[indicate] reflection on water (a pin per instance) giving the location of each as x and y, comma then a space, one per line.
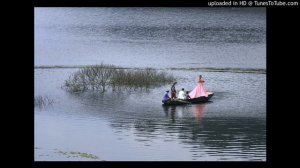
224, 138
198, 111
179, 111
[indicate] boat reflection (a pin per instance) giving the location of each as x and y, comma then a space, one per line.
170, 110
198, 111
174, 112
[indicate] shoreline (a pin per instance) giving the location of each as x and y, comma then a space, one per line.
230, 70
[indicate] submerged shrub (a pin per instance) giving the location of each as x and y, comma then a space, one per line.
101, 77
90, 78
42, 101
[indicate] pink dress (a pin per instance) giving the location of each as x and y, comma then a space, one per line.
198, 91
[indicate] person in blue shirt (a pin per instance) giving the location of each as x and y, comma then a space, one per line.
166, 97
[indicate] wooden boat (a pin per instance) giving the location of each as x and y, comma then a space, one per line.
201, 99
176, 102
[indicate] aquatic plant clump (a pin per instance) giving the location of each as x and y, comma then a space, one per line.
41, 101
90, 78
100, 77
78, 154
145, 78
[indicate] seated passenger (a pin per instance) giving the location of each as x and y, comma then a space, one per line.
181, 94
166, 97
187, 95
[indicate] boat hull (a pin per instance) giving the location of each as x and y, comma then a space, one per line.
176, 102
201, 99
197, 100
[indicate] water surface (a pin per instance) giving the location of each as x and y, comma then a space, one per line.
133, 125
155, 37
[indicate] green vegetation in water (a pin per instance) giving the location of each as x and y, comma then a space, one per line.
78, 154
41, 101
101, 77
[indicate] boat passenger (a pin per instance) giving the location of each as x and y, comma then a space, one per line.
166, 97
187, 96
199, 90
173, 91
181, 94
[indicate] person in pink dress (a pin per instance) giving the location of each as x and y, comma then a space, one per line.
199, 90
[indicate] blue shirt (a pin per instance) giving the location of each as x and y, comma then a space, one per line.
166, 97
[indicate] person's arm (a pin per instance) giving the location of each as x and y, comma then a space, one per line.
174, 84
173, 88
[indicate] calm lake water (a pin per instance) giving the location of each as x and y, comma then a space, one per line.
133, 125
151, 37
